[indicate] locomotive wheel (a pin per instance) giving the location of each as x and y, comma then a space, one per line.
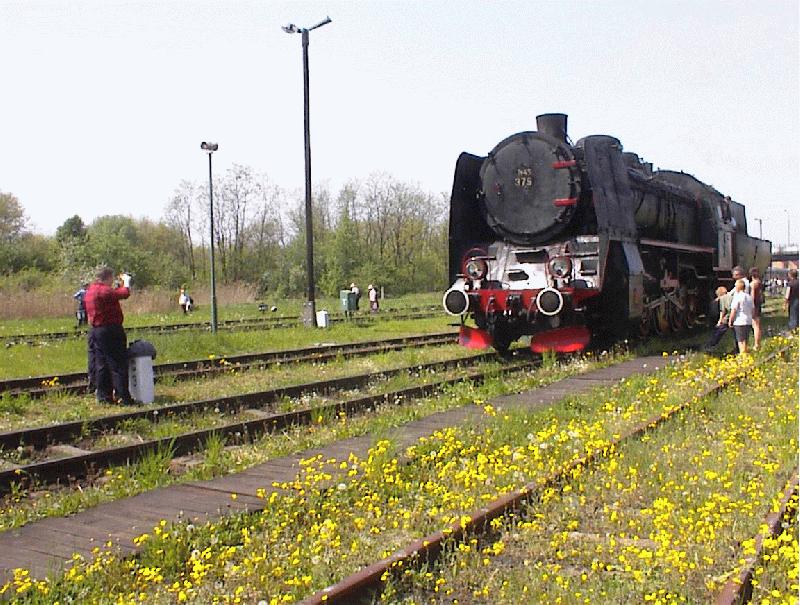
677, 318
691, 311
646, 321
661, 319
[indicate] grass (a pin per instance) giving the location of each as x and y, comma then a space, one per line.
63, 407
775, 577
289, 308
70, 355
339, 514
659, 521
214, 461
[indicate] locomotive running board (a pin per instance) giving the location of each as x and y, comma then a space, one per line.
561, 340
474, 338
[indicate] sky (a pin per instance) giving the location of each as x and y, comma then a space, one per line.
104, 103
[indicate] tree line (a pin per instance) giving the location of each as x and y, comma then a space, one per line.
377, 230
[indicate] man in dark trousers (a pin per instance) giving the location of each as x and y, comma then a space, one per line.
80, 312
720, 308
107, 341
790, 299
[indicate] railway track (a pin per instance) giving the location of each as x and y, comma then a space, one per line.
83, 463
258, 323
363, 585
76, 382
739, 588
228, 489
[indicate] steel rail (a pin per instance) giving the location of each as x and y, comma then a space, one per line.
82, 465
43, 436
739, 589
76, 382
231, 324
425, 550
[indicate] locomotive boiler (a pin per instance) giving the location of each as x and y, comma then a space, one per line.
562, 243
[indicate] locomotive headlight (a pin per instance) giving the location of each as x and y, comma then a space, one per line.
560, 266
476, 268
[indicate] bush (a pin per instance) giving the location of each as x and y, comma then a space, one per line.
25, 280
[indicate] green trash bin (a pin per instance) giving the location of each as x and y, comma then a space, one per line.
348, 300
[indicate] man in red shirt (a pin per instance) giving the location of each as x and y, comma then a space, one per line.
108, 344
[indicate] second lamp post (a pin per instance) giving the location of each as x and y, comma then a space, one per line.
210, 148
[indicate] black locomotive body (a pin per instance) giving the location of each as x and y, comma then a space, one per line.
563, 242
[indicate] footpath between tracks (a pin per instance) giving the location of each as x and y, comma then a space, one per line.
46, 546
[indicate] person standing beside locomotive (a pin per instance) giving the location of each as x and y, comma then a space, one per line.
741, 316
723, 302
738, 273
107, 339
790, 299
757, 292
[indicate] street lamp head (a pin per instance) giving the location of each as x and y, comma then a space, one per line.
209, 147
293, 29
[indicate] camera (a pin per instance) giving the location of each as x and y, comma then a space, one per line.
120, 279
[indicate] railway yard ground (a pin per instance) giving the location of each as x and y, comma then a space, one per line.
402, 470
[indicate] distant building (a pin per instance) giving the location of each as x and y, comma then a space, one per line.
783, 259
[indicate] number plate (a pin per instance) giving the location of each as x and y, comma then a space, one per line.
524, 178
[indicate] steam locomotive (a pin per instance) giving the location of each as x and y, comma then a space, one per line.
562, 243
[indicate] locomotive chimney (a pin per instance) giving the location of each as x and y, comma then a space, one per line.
553, 124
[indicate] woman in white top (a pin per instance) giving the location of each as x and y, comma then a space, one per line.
741, 317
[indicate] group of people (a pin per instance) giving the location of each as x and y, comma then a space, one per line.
372, 296
740, 309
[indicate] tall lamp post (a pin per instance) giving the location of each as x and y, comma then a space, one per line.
309, 310
210, 148
760, 233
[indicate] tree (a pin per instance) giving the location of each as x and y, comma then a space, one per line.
342, 251
114, 241
13, 222
178, 215
72, 229
238, 194
13, 225
162, 257
263, 238
72, 254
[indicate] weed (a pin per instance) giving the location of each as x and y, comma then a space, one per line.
215, 460
17, 405
549, 360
